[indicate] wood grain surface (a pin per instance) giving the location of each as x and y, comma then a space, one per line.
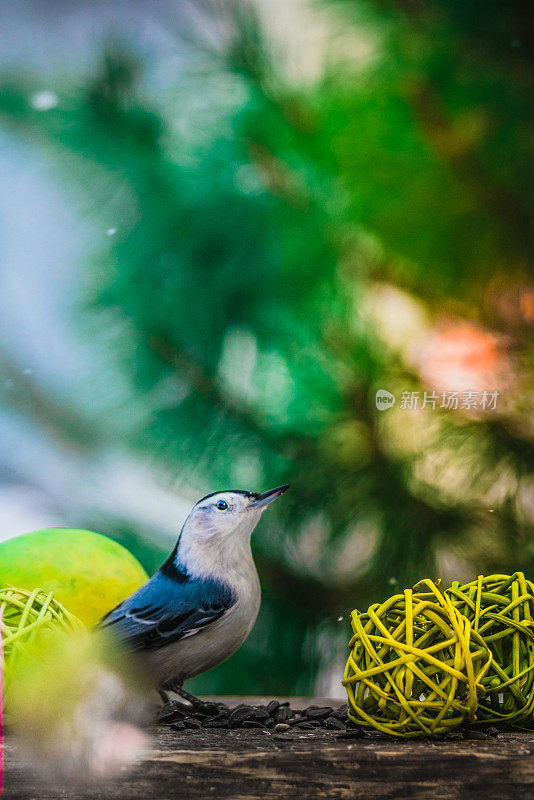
246, 764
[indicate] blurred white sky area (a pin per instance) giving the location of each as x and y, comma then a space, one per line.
50, 371
46, 364
54, 36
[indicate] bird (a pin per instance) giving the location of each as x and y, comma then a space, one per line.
202, 603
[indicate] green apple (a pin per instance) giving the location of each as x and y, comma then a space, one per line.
88, 573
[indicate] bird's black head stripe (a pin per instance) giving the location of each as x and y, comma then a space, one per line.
250, 495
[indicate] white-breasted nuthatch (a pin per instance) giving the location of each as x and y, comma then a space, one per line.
201, 605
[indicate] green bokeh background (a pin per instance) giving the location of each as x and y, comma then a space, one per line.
300, 223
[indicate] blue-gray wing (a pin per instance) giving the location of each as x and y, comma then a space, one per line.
161, 612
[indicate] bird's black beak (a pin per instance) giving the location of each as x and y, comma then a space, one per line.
265, 498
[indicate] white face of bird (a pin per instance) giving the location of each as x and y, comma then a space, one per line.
220, 525
230, 513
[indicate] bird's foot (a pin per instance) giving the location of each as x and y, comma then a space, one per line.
205, 708
171, 711
195, 704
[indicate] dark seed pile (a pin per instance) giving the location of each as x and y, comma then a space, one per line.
281, 720
277, 717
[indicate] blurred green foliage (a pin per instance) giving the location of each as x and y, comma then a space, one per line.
269, 233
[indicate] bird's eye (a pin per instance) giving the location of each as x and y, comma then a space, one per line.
222, 505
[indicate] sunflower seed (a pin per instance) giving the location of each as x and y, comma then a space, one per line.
282, 714
216, 723
319, 713
273, 706
473, 734
358, 733
334, 724
239, 715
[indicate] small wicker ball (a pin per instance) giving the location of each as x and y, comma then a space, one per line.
415, 666
24, 616
501, 609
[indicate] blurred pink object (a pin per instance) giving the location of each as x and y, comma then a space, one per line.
121, 746
465, 357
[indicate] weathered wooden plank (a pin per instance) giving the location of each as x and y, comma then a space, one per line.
247, 764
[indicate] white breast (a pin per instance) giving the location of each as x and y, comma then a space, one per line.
211, 645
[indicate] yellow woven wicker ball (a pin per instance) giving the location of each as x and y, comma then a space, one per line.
25, 617
415, 666
501, 609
